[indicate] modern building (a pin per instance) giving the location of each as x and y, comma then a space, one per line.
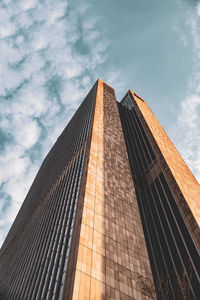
112, 209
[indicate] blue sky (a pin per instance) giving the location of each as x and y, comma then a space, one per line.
52, 52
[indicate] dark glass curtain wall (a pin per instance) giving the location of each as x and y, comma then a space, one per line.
173, 255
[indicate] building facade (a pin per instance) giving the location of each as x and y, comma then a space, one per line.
169, 200
112, 209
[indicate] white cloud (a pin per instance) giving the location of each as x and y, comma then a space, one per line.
27, 4
27, 132
73, 70
187, 134
31, 101
198, 8
85, 80
12, 163
6, 30
17, 185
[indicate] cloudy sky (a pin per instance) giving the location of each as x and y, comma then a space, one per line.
52, 52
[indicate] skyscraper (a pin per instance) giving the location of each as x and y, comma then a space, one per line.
112, 209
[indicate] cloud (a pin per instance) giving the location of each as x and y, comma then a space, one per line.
16, 176
27, 4
44, 76
187, 133
198, 8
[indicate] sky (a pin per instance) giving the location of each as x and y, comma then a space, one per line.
52, 52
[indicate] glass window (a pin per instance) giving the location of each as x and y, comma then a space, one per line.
128, 102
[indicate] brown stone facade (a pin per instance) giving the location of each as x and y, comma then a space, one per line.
112, 251
182, 182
